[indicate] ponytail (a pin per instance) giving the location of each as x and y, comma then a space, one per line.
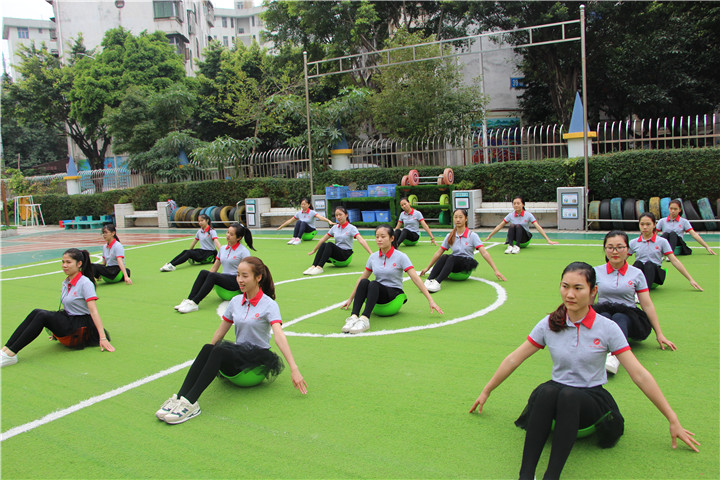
558, 319
241, 231
451, 238
109, 227
82, 256
260, 269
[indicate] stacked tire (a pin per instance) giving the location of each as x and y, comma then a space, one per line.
186, 217
605, 214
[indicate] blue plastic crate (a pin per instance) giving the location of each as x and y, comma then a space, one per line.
334, 193
382, 216
368, 215
382, 190
357, 193
354, 215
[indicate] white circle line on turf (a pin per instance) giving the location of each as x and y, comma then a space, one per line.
89, 402
500, 292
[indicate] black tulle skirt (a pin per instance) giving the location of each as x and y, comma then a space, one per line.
608, 429
247, 356
639, 327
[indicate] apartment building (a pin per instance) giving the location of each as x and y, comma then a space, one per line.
24, 32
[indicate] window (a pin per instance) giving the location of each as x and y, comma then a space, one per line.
224, 22
166, 9
252, 21
232, 22
23, 32
225, 41
241, 30
40, 30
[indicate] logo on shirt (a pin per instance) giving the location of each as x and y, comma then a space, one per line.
630, 283
394, 264
257, 315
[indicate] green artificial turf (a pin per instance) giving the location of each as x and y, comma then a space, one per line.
379, 406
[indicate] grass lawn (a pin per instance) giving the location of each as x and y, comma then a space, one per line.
389, 404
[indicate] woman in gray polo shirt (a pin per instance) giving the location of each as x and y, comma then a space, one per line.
578, 340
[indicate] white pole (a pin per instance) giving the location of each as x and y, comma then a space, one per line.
307, 110
583, 60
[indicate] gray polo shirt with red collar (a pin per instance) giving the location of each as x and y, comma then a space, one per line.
680, 225
112, 251
206, 238
411, 220
523, 219
344, 234
388, 269
464, 245
230, 258
651, 250
253, 318
619, 286
75, 294
579, 351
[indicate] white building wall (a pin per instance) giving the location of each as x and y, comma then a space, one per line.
38, 32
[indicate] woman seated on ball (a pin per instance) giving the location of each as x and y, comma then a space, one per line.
649, 249
519, 230
674, 228
575, 399
388, 265
411, 220
619, 284
343, 233
79, 311
256, 317
305, 221
209, 245
113, 261
463, 244
228, 257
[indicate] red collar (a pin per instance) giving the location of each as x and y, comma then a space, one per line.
677, 219
388, 254
588, 320
234, 247
651, 239
412, 210
253, 301
76, 279
206, 229
306, 211
465, 233
622, 269
522, 213
112, 243
347, 222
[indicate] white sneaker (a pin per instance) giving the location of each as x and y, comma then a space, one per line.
612, 363
291, 241
515, 249
167, 407
309, 270
298, 241
361, 325
190, 306
183, 411
316, 270
6, 360
349, 322
181, 304
168, 267
433, 286
509, 249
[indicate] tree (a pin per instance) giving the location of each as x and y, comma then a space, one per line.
163, 158
74, 96
426, 97
29, 143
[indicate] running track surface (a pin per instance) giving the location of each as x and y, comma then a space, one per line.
49, 245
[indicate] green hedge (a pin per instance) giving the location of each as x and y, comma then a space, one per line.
684, 173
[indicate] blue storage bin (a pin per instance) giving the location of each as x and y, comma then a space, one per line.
357, 193
382, 216
335, 193
354, 215
368, 215
382, 190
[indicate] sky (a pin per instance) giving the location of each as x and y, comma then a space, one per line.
41, 10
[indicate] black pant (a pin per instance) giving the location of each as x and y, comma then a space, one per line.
372, 293
328, 250
205, 282
204, 369
60, 323
300, 228
108, 272
402, 234
517, 235
676, 240
652, 271
448, 264
571, 408
195, 254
